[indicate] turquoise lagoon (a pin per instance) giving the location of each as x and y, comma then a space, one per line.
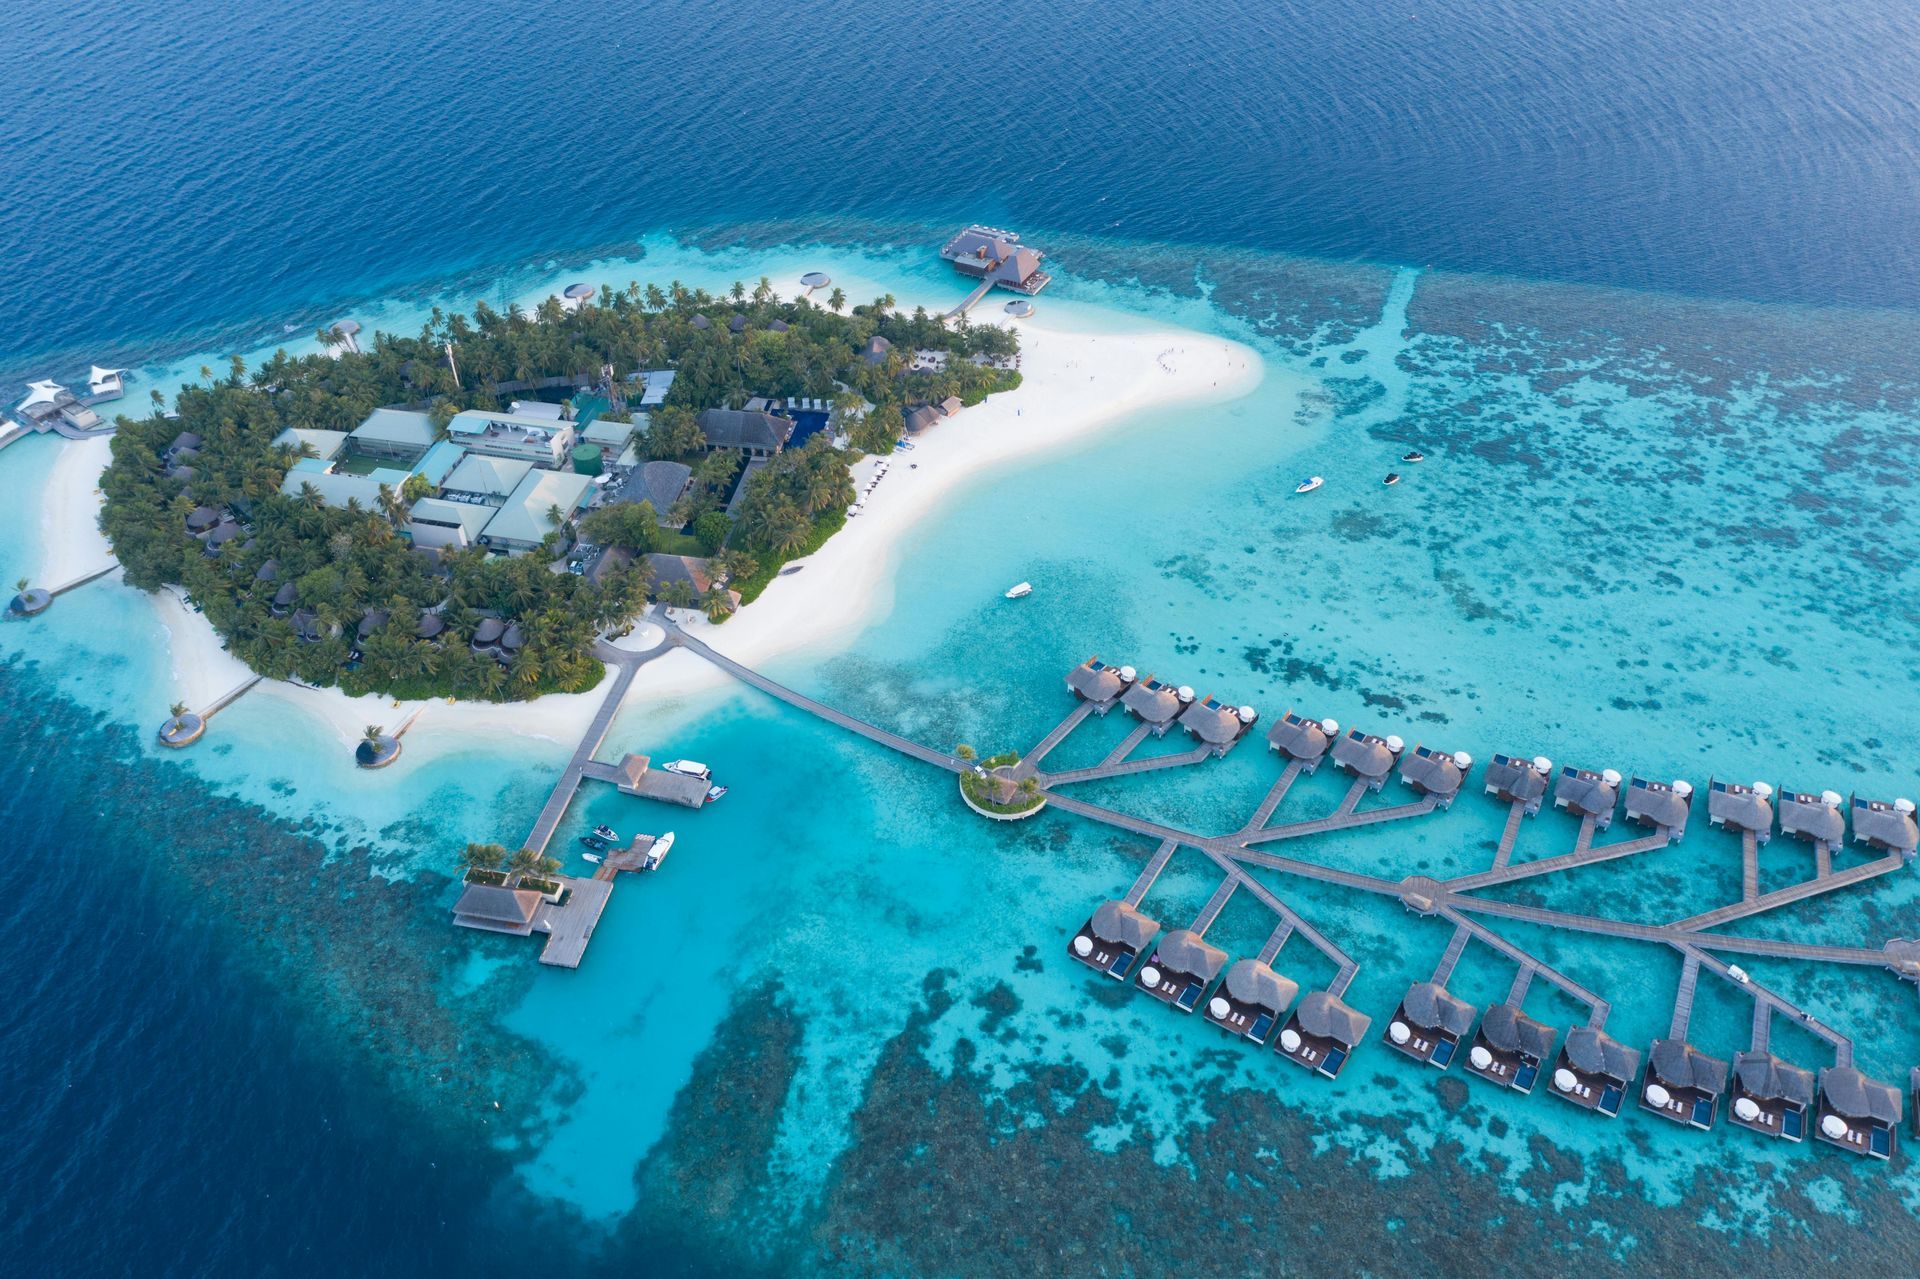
1669, 537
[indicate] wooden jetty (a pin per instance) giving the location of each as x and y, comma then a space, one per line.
190, 726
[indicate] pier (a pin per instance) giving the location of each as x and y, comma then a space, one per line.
626, 665
188, 727
1511, 1054
34, 600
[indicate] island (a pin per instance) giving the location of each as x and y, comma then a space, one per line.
463, 511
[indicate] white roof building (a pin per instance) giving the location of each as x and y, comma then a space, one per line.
525, 519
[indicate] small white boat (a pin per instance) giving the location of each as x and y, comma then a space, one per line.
592, 857
658, 852
1021, 591
1309, 484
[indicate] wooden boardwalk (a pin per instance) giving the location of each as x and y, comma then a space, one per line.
569, 927
569, 782
1237, 856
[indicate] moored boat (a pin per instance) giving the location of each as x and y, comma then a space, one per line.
1393, 478
1309, 484
1020, 591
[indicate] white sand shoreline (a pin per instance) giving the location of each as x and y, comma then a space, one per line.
1076, 379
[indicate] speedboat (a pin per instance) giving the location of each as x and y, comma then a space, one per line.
594, 842
1413, 455
1021, 591
1309, 484
592, 857
607, 833
658, 852
715, 792
1393, 478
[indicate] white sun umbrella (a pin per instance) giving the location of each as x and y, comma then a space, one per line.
1218, 1006
1480, 1057
1083, 945
1290, 1039
1150, 975
1834, 1126
1399, 1033
1564, 1079
1747, 1108
1658, 1095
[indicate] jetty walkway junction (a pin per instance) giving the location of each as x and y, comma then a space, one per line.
1252, 998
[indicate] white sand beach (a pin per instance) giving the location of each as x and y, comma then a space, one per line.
1076, 379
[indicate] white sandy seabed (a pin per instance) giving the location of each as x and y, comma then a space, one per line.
1078, 375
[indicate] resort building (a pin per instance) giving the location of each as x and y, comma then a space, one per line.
49, 405
1509, 1048
1660, 806
1588, 794
1322, 1033
1181, 968
1594, 1070
440, 462
1887, 827
525, 519
544, 442
1816, 819
436, 522
1113, 939
539, 409
635, 775
394, 435
1439, 774
1682, 1083
1216, 724
997, 257
1096, 682
1429, 1024
497, 909
919, 417
1770, 1096
757, 434
612, 436
1742, 808
694, 571
1155, 704
1519, 781
1367, 757
336, 490
654, 385
1250, 1000
663, 484
1302, 740
875, 350
325, 445
485, 480
1856, 1113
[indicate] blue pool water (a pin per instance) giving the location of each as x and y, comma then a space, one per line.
1664, 527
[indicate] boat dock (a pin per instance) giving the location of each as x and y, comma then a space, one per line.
1593, 1061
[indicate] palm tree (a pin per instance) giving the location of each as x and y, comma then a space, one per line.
837, 298
524, 862
717, 604
177, 710
373, 734
966, 752
159, 400
484, 856
21, 585
206, 374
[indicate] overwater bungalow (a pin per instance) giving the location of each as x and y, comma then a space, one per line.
1216, 724
1857, 1113
990, 254
1250, 1000
1322, 1033
1095, 681
1367, 757
1113, 939
106, 384
1181, 968
1748, 809
1429, 1024
1439, 774
1585, 793
1816, 819
1509, 1048
497, 909
1682, 1083
1594, 1070
1770, 1096
1154, 703
1887, 827
1302, 739
1519, 781
1660, 806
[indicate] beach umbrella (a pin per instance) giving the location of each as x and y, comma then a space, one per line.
1083, 945
1564, 1079
1480, 1057
1150, 975
1657, 1095
1219, 1007
1747, 1108
1399, 1033
1834, 1126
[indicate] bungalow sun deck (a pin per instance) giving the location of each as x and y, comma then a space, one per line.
1250, 1000
1510, 1048
1594, 1070
1429, 1024
1112, 939
1181, 968
1322, 1033
1769, 1096
1682, 1083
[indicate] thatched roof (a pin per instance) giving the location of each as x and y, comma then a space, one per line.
1122, 925
1680, 1065
1766, 1077
1510, 1030
1326, 1016
1597, 1053
1185, 951
1251, 982
1857, 1096
1429, 1006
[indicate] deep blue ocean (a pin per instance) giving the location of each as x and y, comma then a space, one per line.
177, 174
